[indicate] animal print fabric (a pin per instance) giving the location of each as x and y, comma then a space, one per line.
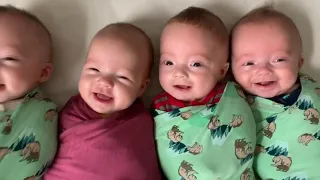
214, 141
28, 138
288, 146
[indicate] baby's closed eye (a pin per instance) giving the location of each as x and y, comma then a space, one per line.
123, 78
9, 58
94, 69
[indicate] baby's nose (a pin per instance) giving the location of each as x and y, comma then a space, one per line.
106, 82
180, 73
263, 71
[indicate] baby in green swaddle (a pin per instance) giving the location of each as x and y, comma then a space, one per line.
204, 127
28, 120
266, 59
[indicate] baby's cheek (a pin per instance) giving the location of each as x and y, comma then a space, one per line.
288, 75
86, 84
164, 81
242, 78
126, 95
163, 76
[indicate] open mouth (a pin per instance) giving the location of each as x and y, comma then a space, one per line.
2, 86
182, 87
266, 83
102, 98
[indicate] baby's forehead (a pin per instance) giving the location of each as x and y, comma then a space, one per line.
16, 22
281, 27
267, 16
131, 37
125, 49
29, 30
214, 33
129, 33
127, 44
278, 24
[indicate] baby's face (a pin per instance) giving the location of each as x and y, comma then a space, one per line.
113, 75
191, 62
265, 60
21, 58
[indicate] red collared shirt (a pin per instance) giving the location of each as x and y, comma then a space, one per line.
165, 102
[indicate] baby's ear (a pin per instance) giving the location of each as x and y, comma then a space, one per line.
143, 87
46, 72
224, 69
300, 64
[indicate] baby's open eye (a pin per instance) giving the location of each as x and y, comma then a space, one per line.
168, 63
196, 64
248, 64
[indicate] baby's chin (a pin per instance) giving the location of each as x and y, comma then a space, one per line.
7, 96
101, 110
270, 94
188, 99
188, 95
265, 95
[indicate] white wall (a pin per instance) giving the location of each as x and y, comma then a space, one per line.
74, 22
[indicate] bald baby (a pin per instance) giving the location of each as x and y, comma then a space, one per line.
26, 45
118, 66
266, 60
266, 53
108, 113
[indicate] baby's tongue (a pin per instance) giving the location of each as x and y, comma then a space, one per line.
103, 97
182, 87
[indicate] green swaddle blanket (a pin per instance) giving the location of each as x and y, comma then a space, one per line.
287, 136
28, 138
214, 141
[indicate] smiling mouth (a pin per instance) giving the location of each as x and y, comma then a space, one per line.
102, 98
266, 83
182, 87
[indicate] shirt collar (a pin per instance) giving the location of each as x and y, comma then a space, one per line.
207, 100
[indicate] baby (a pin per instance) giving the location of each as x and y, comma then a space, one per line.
28, 121
204, 128
266, 59
106, 131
